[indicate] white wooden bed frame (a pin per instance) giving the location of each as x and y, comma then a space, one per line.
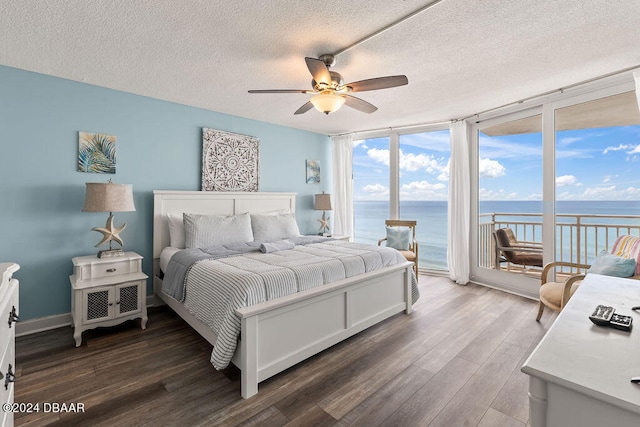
278, 334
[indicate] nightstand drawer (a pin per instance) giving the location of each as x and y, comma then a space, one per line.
90, 268
113, 268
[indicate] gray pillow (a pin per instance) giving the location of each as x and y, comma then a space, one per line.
611, 265
202, 231
274, 227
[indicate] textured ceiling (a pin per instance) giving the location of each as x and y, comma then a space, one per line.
460, 56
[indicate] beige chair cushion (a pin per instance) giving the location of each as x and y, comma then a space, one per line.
409, 255
551, 293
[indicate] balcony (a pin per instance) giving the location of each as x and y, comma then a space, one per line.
579, 238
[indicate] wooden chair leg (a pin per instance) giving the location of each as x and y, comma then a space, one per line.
540, 310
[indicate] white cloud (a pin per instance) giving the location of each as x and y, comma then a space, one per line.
378, 155
411, 162
623, 147
423, 186
485, 194
491, 168
564, 180
375, 188
569, 140
360, 142
599, 193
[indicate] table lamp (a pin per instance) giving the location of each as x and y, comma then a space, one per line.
323, 203
109, 197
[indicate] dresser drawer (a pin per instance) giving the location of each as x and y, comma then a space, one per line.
8, 303
7, 363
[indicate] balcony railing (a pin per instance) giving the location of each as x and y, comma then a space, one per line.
579, 237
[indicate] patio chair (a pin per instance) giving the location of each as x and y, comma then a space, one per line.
401, 235
555, 295
515, 251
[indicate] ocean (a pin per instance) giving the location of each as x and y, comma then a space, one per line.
431, 231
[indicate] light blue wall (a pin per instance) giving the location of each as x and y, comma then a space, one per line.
159, 146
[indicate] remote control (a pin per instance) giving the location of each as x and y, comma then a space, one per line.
602, 315
619, 321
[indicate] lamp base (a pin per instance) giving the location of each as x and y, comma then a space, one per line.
111, 253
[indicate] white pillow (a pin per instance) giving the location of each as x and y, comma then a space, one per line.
274, 227
176, 230
202, 231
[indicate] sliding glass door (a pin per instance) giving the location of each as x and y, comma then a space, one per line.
562, 176
508, 212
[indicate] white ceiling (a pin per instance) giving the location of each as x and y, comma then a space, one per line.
461, 56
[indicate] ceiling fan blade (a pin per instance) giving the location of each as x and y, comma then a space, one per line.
359, 104
318, 70
280, 91
306, 107
378, 83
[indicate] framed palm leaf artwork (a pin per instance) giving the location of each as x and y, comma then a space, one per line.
96, 152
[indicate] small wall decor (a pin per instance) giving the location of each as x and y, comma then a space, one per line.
313, 172
229, 161
96, 152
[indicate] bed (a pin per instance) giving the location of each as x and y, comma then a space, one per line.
278, 333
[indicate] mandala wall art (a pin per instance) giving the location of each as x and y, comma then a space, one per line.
96, 152
229, 161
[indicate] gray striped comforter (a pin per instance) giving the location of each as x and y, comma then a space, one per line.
215, 288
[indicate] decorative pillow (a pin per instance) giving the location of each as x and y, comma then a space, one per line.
274, 227
176, 230
202, 231
399, 238
611, 265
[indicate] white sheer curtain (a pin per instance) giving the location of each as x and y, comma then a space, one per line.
459, 204
342, 152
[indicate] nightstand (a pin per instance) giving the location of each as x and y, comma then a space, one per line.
107, 291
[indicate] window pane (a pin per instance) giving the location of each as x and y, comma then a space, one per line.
424, 190
370, 189
510, 192
597, 175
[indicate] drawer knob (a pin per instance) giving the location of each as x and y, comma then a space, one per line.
13, 316
111, 270
9, 378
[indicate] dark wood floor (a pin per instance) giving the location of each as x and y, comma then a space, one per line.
455, 361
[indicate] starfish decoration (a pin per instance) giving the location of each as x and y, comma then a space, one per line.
324, 223
110, 232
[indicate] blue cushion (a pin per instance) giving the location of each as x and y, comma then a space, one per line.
611, 265
399, 238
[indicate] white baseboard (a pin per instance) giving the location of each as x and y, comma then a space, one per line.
32, 326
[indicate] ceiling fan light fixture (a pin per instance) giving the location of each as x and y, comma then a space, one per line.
327, 102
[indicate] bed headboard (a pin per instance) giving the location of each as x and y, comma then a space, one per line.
213, 203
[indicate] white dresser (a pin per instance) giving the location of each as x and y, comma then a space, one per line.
8, 317
579, 372
107, 291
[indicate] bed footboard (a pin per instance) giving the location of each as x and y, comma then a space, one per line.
280, 333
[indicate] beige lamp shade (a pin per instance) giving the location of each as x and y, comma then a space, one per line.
322, 202
108, 197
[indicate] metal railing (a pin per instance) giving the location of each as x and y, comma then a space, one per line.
579, 237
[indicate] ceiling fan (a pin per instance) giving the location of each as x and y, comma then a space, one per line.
330, 92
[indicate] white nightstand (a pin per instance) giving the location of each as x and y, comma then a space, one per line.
106, 292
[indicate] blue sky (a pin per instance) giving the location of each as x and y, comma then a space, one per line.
591, 164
